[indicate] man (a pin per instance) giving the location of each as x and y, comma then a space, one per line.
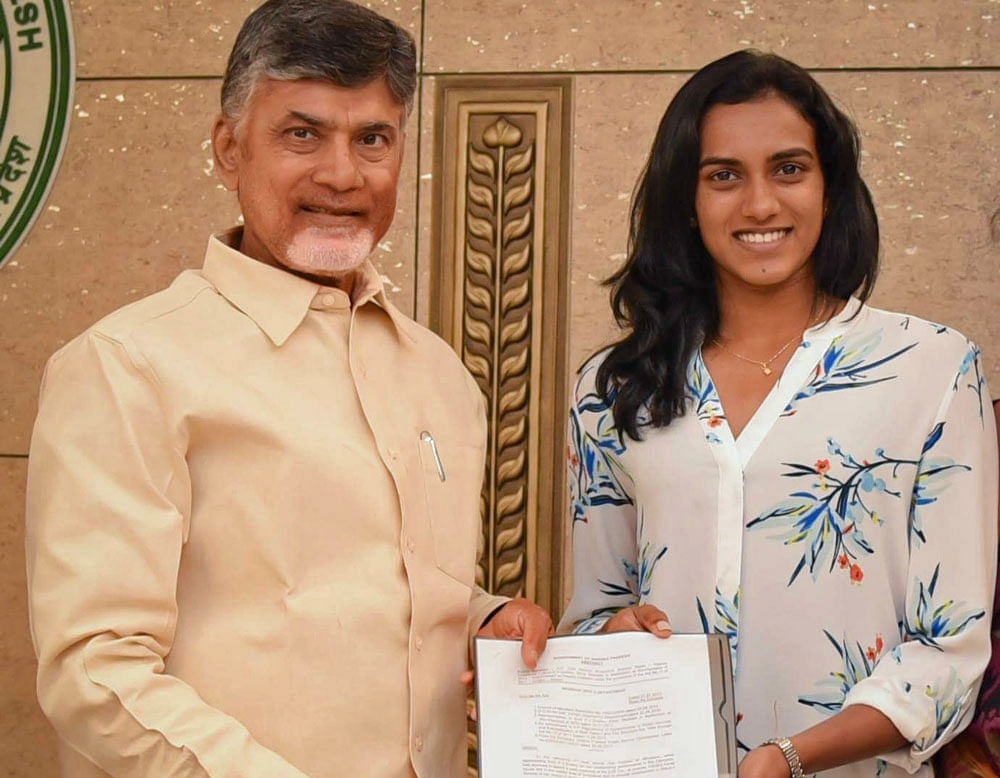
253, 497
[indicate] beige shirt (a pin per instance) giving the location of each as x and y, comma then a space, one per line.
252, 524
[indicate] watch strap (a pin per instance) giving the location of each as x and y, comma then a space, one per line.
791, 755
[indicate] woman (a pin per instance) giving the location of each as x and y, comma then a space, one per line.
764, 455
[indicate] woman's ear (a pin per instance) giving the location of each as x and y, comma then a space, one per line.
225, 149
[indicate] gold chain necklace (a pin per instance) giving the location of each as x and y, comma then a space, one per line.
764, 365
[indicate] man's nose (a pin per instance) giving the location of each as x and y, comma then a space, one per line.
338, 168
760, 201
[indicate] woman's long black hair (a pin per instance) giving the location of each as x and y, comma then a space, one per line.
665, 294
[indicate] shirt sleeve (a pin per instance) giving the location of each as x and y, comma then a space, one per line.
927, 684
481, 603
602, 514
108, 504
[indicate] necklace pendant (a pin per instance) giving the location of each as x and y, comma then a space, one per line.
767, 370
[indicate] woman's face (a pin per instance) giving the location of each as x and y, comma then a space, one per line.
760, 194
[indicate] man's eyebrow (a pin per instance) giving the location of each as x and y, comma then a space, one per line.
315, 121
312, 121
378, 127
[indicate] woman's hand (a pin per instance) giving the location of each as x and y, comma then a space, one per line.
640, 618
857, 732
765, 762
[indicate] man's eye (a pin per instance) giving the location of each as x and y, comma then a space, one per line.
302, 133
373, 139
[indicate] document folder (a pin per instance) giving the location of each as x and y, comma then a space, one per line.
607, 706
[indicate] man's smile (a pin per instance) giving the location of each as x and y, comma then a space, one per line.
326, 211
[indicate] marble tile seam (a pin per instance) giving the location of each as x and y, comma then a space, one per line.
159, 77
423, 36
424, 73
690, 71
419, 152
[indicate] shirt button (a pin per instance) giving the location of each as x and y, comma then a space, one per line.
410, 545
393, 453
418, 643
419, 744
328, 299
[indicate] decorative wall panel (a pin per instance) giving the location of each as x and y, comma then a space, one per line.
499, 296
499, 281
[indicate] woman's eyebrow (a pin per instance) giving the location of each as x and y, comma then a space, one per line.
776, 157
731, 161
790, 154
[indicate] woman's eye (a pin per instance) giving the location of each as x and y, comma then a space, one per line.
723, 176
790, 169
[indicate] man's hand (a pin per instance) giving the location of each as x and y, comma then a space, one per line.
523, 619
640, 618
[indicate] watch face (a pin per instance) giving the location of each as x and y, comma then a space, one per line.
36, 93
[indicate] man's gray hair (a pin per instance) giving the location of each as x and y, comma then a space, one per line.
330, 40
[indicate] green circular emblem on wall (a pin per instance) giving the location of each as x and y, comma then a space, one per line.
36, 86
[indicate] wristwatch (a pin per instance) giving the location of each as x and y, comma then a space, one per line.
791, 755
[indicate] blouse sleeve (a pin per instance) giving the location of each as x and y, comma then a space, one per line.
602, 513
927, 684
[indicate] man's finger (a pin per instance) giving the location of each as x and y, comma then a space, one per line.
467, 677
537, 626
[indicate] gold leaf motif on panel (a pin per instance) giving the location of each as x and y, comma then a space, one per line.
478, 261
517, 261
519, 163
516, 228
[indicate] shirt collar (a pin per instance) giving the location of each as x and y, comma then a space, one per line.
275, 299
852, 312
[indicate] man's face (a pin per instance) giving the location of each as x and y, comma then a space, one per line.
315, 166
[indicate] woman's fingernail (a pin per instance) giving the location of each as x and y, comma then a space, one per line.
663, 626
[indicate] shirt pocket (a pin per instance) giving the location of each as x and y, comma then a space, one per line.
452, 476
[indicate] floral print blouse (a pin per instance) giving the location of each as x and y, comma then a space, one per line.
845, 541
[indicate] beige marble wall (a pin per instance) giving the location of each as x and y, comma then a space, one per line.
136, 198
582, 35
931, 158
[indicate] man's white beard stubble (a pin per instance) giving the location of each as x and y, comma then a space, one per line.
330, 256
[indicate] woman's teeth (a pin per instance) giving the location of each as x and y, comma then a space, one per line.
762, 237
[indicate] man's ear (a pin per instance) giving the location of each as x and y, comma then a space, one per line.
226, 152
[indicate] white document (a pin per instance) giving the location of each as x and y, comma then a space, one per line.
601, 706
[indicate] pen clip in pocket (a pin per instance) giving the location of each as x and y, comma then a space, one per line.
428, 439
